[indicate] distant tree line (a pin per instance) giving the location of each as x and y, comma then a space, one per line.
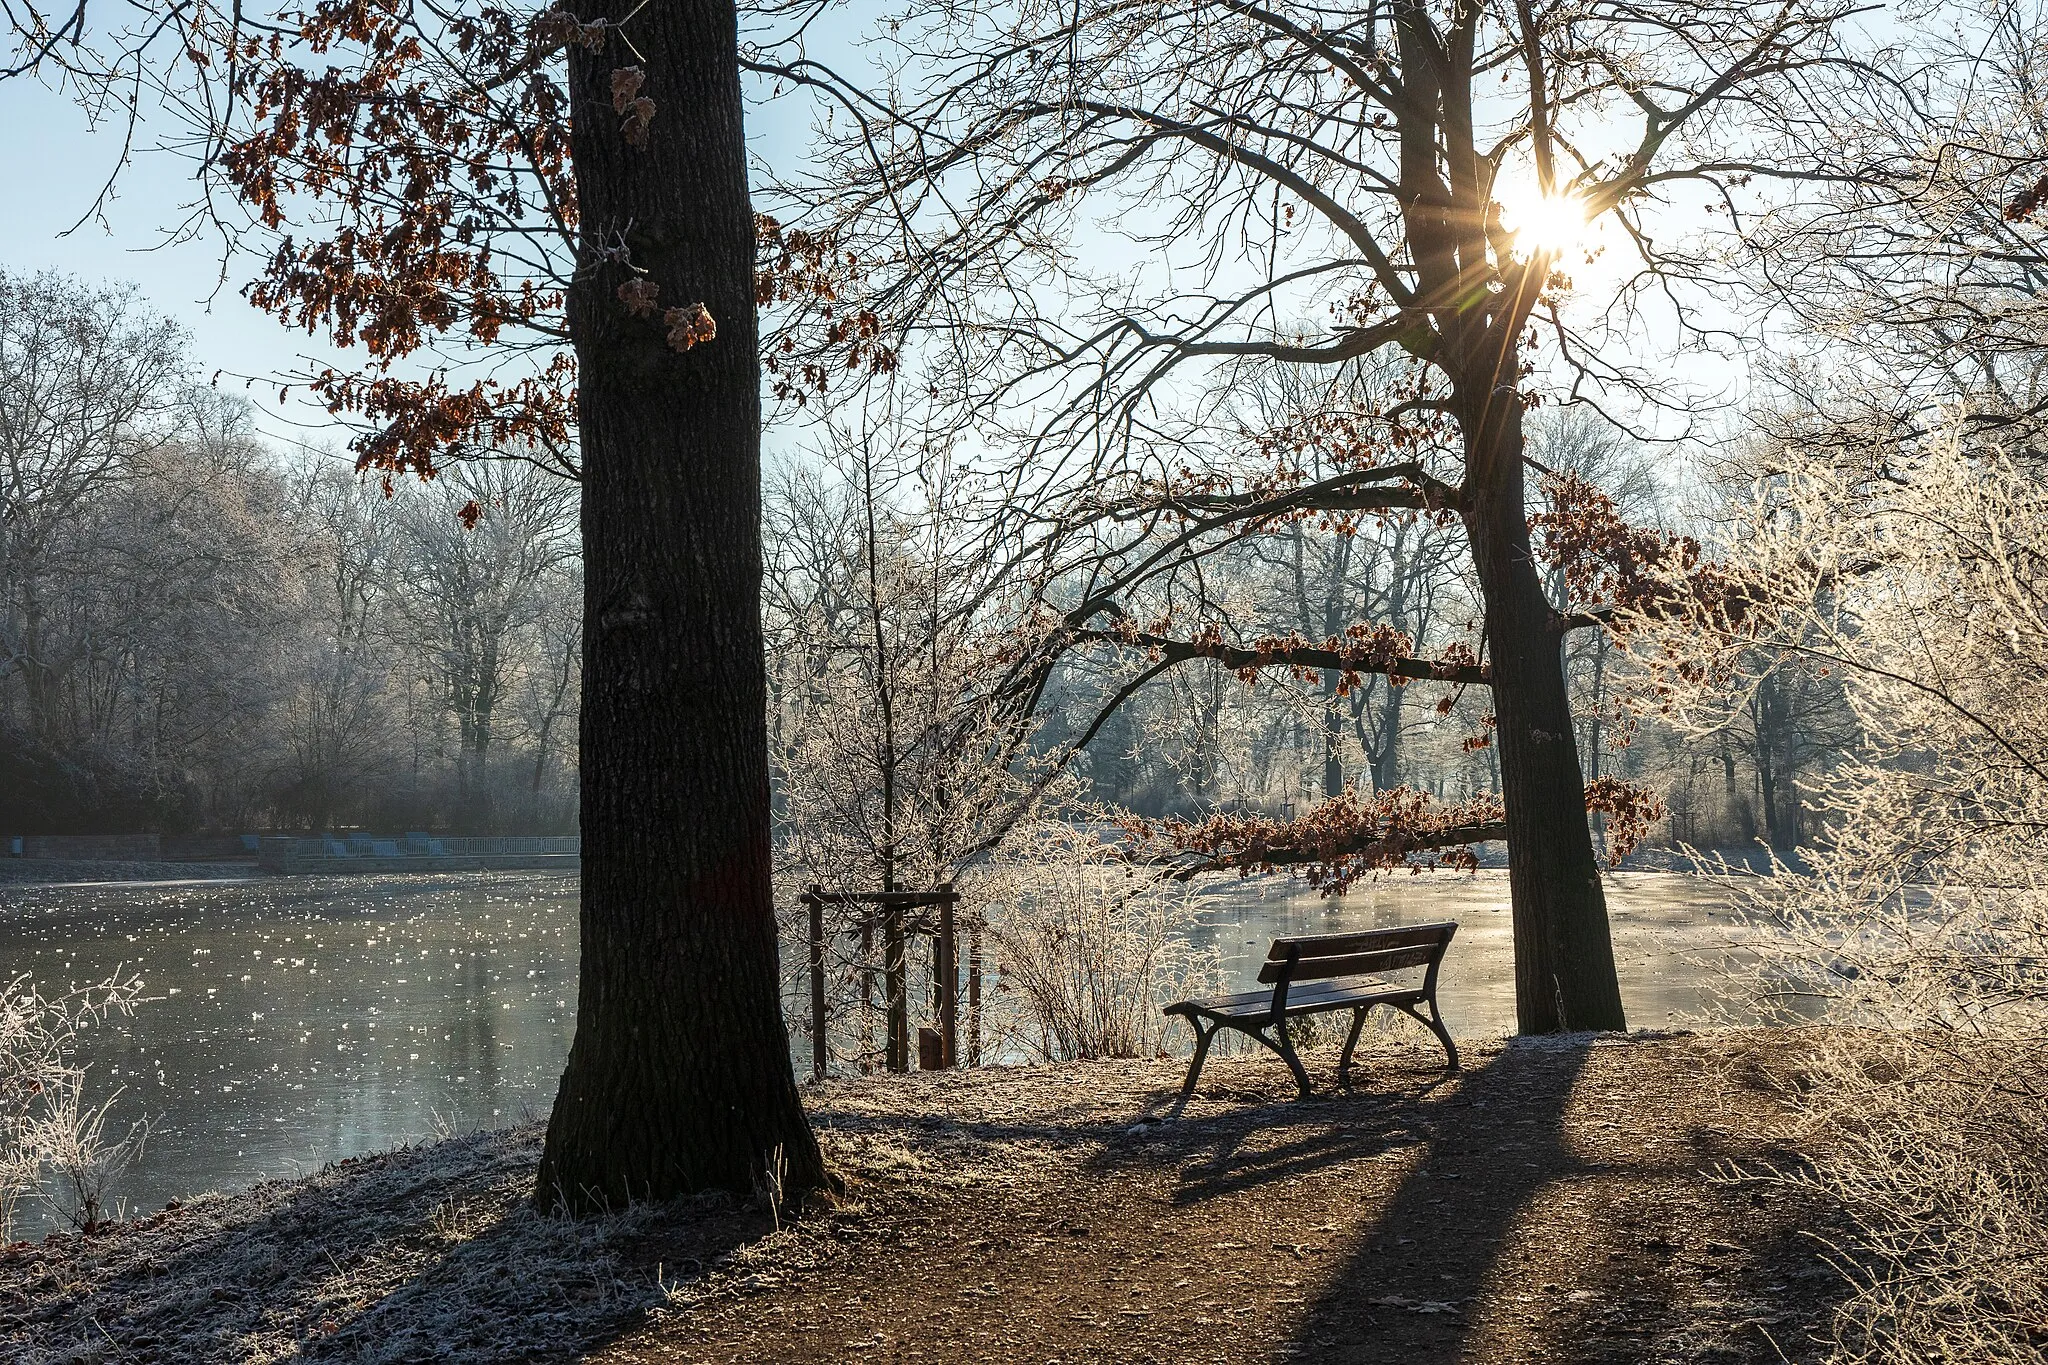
921, 611
197, 632
200, 632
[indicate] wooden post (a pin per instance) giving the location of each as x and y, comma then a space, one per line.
867, 992
890, 916
895, 986
949, 980
815, 898
974, 991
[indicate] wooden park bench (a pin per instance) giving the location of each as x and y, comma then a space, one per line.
1320, 974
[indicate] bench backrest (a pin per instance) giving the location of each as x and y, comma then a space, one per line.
1318, 957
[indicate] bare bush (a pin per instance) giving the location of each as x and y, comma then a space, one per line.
1088, 949
1920, 578
82, 1158
1931, 1147
45, 1126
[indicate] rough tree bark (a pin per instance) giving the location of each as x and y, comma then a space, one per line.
679, 1078
1564, 956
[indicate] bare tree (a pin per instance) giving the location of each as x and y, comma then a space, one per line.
89, 380
472, 550
1228, 166
554, 676
340, 716
895, 770
1319, 574
1922, 287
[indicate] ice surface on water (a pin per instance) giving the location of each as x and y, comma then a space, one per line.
296, 1022
293, 1023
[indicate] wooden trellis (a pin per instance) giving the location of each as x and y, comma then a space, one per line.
898, 914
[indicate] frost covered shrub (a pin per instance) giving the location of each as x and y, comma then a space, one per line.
1921, 913
47, 1131
1087, 948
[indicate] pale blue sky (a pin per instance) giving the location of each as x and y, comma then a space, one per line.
55, 165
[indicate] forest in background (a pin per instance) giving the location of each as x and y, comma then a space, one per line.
879, 581
202, 630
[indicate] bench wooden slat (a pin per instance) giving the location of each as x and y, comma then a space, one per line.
1366, 940
1353, 964
1257, 1000
1310, 999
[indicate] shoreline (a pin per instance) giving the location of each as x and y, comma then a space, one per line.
57, 873
60, 872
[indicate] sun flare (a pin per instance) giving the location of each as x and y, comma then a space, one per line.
1551, 224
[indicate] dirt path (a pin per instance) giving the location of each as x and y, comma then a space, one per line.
1549, 1204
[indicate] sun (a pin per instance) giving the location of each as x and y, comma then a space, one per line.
1549, 224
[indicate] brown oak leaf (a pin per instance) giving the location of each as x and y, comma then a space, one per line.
639, 114
639, 294
689, 326
626, 83
557, 28
2028, 202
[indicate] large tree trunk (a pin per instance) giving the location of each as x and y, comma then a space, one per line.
679, 1079
1386, 754
1564, 959
1333, 741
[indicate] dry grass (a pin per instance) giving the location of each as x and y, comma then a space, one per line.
49, 1134
1087, 950
1922, 1105
1930, 1150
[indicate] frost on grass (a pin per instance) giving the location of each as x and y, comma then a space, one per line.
431, 1253
434, 1254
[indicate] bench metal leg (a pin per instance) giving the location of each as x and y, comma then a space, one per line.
1350, 1042
1285, 1048
1202, 1039
1433, 1021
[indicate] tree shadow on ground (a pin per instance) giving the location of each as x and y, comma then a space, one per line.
1521, 1235
1526, 1209
1413, 1275
426, 1254
1266, 1140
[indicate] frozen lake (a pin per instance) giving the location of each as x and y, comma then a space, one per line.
1675, 940
298, 1021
